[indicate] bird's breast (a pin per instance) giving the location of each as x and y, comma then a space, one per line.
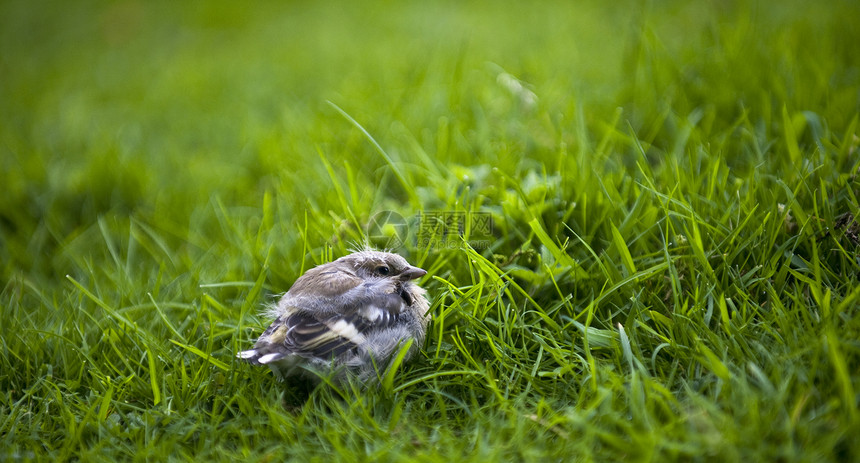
405, 295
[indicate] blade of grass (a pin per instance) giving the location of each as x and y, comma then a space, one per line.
215, 362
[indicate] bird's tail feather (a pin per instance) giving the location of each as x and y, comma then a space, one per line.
259, 358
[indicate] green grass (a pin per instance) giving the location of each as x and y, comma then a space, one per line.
670, 274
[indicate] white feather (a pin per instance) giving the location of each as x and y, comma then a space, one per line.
348, 331
371, 312
270, 358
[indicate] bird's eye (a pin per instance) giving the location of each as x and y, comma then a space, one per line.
382, 270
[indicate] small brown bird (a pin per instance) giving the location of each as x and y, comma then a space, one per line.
350, 316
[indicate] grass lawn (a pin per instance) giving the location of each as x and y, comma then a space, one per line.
637, 218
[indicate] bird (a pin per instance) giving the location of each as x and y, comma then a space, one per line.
346, 318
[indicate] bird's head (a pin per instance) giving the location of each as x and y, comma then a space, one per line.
379, 264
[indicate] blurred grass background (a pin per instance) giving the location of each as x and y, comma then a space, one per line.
673, 273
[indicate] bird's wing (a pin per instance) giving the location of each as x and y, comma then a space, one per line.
307, 336
325, 334
368, 307
299, 333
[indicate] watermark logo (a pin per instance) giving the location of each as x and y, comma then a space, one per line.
445, 229
387, 230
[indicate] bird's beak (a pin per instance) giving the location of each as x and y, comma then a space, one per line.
412, 273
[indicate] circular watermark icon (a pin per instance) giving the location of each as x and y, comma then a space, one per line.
387, 230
